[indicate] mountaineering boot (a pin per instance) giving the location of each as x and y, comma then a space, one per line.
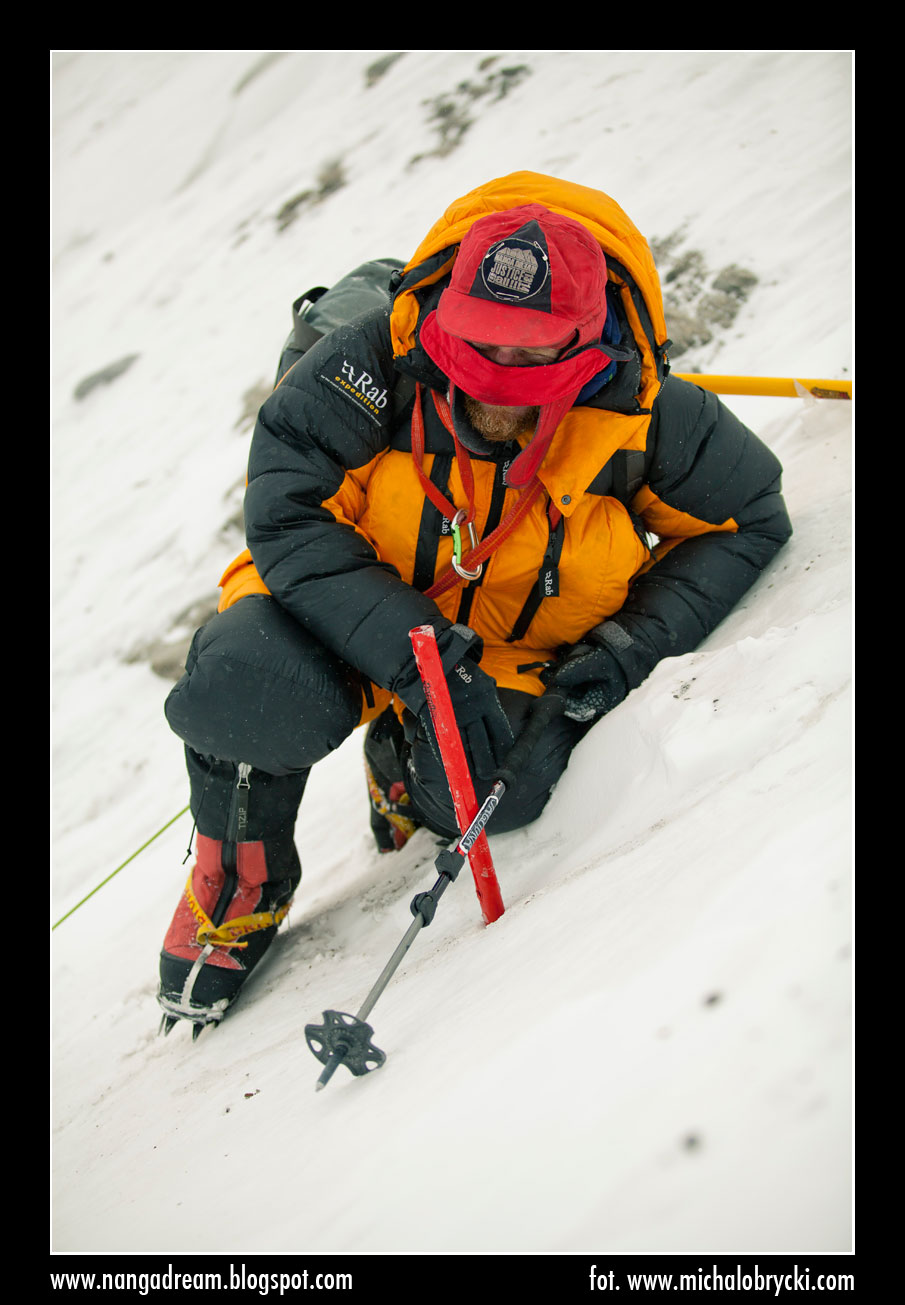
391, 818
227, 917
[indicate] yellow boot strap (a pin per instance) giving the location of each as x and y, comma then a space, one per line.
226, 934
407, 826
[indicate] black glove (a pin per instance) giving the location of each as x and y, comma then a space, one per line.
486, 733
590, 674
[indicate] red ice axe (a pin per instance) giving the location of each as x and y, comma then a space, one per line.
458, 776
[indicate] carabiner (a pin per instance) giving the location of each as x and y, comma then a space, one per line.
456, 523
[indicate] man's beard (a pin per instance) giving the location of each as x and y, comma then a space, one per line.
499, 424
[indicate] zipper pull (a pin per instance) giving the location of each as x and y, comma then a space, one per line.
243, 794
548, 577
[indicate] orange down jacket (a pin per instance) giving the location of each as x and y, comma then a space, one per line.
656, 509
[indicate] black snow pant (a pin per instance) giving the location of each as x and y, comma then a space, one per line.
259, 689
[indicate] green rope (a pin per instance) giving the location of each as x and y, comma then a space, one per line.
120, 867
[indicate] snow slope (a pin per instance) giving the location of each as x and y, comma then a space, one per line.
651, 1050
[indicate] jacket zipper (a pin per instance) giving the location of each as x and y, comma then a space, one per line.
237, 828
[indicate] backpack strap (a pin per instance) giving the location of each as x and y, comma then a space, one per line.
620, 477
304, 335
628, 474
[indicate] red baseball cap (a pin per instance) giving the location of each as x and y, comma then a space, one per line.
528, 277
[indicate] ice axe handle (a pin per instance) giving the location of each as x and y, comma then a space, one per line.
550, 705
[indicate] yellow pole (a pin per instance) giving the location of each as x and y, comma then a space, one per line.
781, 386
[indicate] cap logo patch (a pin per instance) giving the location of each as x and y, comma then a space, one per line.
514, 270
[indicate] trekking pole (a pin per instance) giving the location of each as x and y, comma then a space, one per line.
345, 1039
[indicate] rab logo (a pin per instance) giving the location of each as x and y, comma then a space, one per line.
364, 383
359, 386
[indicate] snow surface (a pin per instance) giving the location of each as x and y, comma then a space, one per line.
651, 1050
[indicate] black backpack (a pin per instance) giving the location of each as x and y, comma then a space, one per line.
318, 311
